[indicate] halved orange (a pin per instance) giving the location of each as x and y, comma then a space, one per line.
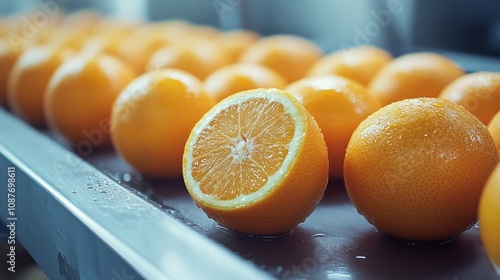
257, 162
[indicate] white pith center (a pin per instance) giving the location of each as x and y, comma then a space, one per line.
241, 148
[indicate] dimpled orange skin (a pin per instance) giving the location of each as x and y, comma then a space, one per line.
478, 92
494, 128
413, 75
358, 63
416, 168
80, 96
290, 202
152, 119
239, 77
29, 78
489, 217
289, 55
338, 105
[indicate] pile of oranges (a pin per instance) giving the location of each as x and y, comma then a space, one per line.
258, 124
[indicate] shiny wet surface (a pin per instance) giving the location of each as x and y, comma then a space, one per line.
335, 242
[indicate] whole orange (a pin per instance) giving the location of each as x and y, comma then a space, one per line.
198, 57
478, 92
80, 96
152, 119
489, 217
494, 128
235, 42
137, 47
357, 63
289, 55
29, 78
256, 162
8, 56
414, 75
338, 105
416, 168
239, 77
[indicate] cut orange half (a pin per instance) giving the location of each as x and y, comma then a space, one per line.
257, 162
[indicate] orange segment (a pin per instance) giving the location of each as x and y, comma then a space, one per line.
478, 92
416, 168
489, 217
257, 173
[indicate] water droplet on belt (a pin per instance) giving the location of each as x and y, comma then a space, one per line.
126, 177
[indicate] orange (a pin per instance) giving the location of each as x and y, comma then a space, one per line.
289, 55
136, 48
478, 92
416, 168
239, 77
80, 96
338, 104
108, 39
203, 32
74, 30
7, 25
29, 78
152, 118
83, 17
494, 128
235, 42
413, 75
198, 57
357, 63
24, 30
257, 162
489, 217
8, 57
173, 29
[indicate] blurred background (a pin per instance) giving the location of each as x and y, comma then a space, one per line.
396, 25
